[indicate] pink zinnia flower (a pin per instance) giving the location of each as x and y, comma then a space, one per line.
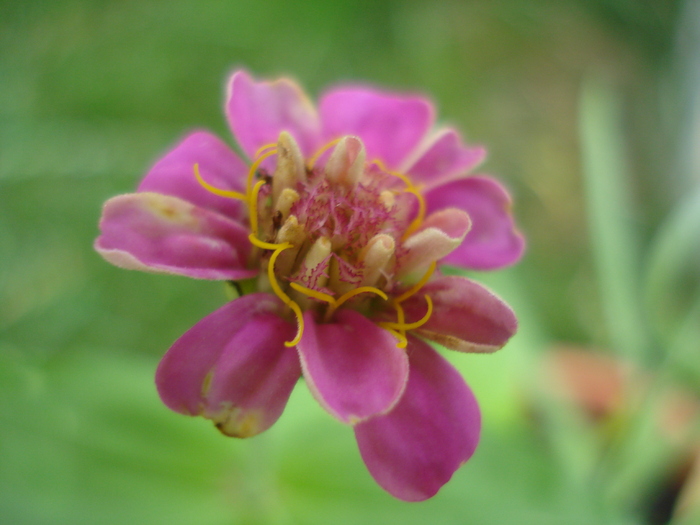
338, 223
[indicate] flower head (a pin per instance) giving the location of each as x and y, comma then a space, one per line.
340, 220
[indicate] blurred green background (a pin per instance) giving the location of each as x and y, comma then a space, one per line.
591, 113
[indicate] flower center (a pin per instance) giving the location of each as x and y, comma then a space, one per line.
329, 237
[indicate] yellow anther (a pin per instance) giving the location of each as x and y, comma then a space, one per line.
313, 293
283, 296
254, 167
263, 148
321, 151
253, 207
416, 287
411, 326
216, 191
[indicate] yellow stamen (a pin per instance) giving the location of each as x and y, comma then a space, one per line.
352, 293
415, 224
321, 151
403, 342
216, 191
264, 147
254, 167
357, 291
416, 287
400, 314
412, 189
313, 293
401, 176
401, 319
411, 326
253, 207
283, 296
266, 245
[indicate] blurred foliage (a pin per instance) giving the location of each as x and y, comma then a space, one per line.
590, 112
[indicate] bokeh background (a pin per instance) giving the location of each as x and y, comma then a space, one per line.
591, 112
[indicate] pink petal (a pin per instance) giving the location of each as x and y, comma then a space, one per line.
414, 449
233, 367
218, 165
259, 111
443, 159
353, 367
493, 241
466, 317
159, 233
390, 126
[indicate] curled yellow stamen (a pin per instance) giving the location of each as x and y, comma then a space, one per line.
213, 189
403, 342
253, 207
313, 293
352, 293
263, 148
357, 291
415, 224
283, 296
401, 176
416, 287
413, 190
254, 167
266, 245
400, 319
411, 326
321, 151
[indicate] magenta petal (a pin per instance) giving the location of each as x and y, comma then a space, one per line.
159, 233
493, 241
466, 317
353, 367
390, 126
259, 111
413, 450
443, 159
219, 166
233, 367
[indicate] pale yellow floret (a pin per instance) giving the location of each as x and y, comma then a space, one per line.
216, 191
321, 151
